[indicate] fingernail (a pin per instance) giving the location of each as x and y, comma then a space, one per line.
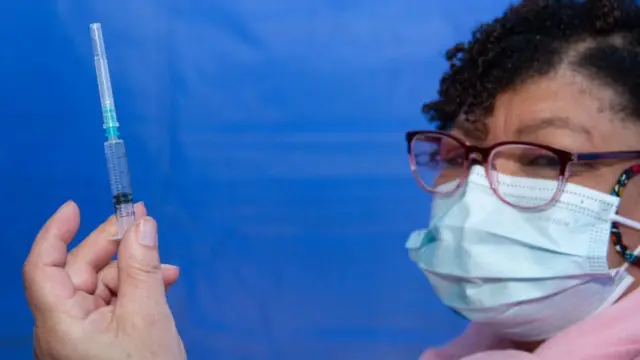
148, 233
64, 205
169, 266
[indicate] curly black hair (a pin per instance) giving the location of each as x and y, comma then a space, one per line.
598, 38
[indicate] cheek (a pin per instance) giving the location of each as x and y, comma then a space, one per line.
602, 179
613, 258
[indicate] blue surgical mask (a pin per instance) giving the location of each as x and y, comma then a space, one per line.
525, 275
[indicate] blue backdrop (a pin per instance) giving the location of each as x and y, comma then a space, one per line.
266, 137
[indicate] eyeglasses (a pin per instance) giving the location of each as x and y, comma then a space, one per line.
441, 163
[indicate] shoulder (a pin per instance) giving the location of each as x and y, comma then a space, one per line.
475, 339
610, 334
613, 333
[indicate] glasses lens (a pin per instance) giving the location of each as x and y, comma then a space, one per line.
525, 176
439, 162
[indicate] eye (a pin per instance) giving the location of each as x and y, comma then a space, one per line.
541, 161
427, 158
455, 158
438, 152
437, 158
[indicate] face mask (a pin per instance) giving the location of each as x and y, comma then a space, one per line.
525, 275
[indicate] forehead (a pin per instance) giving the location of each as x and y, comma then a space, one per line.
564, 110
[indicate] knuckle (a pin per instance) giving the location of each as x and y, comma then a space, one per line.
109, 270
143, 270
28, 272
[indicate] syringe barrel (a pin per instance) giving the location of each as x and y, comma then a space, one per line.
120, 181
126, 218
118, 167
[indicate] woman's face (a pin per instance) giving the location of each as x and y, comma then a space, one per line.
567, 111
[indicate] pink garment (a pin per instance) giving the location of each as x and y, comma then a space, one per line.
612, 334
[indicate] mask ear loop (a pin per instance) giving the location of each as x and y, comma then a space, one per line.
630, 257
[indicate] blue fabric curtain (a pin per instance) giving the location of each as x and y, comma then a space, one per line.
266, 137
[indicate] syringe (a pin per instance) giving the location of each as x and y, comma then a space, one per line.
119, 178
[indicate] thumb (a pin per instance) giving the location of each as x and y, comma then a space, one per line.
139, 270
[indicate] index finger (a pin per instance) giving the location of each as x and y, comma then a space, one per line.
45, 280
50, 245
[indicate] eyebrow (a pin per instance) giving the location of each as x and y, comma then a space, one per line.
557, 122
476, 132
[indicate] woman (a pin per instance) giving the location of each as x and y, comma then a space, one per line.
540, 128
540, 120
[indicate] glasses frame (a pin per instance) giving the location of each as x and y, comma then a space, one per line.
484, 156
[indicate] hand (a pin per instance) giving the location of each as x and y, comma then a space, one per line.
89, 308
